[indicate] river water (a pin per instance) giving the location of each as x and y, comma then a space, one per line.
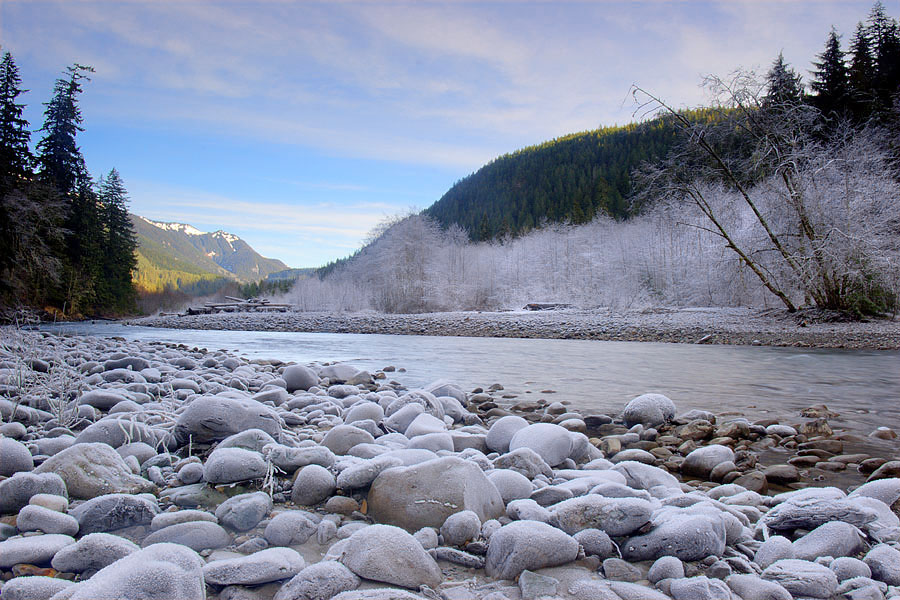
593, 376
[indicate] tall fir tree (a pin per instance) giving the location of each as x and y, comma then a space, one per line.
116, 289
15, 156
884, 38
861, 73
830, 81
784, 86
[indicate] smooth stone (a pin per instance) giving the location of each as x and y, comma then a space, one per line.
702, 461
812, 508
196, 535
299, 377
114, 511
364, 473
524, 461
698, 588
886, 490
753, 587
773, 549
649, 410
460, 528
18, 490
214, 418
313, 484
38, 518
91, 470
391, 555
14, 457
102, 399
51, 501
116, 432
252, 439
190, 473
289, 528
847, 567
271, 564
595, 543
889, 470
647, 477
533, 586
33, 549
617, 517
194, 495
230, 465
160, 571
665, 567
551, 442
165, 519
93, 552
423, 424
424, 495
140, 450
782, 474
621, 570
511, 485
290, 459
343, 437
884, 562
502, 431
33, 588
319, 581
530, 545
378, 594
244, 511
686, 536
834, 538
802, 578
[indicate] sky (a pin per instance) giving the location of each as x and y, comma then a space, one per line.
300, 125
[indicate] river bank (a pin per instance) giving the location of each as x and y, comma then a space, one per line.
689, 326
214, 476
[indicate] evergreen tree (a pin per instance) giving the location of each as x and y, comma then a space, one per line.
116, 288
783, 84
15, 157
884, 37
861, 72
60, 162
830, 79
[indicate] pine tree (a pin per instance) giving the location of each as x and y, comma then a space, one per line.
15, 156
830, 79
783, 84
119, 245
861, 72
884, 37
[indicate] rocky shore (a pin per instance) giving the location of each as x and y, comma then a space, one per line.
708, 326
149, 470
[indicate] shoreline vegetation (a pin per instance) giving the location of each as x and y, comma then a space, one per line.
220, 477
731, 326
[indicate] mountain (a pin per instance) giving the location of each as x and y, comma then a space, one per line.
570, 178
181, 256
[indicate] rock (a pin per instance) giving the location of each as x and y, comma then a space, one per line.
160, 571
194, 495
595, 543
834, 538
782, 474
886, 490
884, 562
364, 473
502, 431
424, 495
813, 508
343, 437
512, 485
51, 501
290, 459
196, 535
685, 536
649, 410
314, 484
117, 432
754, 481
802, 578
524, 461
190, 473
617, 517
424, 424
298, 377
244, 511
37, 549
621, 570
165, 519
320, 581
114, 511
665, 567
14, 457
91, 470
16, 491
772, 550
378, 594
33, 588
92, 552
268, 565
533, 586
390, 555
38, 518
252, 439
890, 469
846, 567
658, 482
699, 588
702, 461
752, 587
214, 418
229, 465
460, 528
102, 399
528, 545
289, 528
551, 442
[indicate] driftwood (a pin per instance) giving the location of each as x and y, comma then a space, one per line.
547, 306
237, 305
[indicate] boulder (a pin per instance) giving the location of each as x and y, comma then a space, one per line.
320, 581
114, 511
686, 536
424, 495
230, 465
617, 517
14, 457
214, 418
649, 410
502, 432
703, 460
160, 571
271, 564
313, 484
289, 528
530, 545
93, 552
16, 491
884, 562
390, 555
802, 578
815, 507
834, 538
244, 511
551, 442
299, 377
91, 470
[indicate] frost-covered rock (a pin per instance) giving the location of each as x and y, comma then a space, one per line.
686, 536
320, 581
16, 491
299, 377
884, 562
834, 538
114, 511
502, 432
91, 470
271, 564
390, 555
244, 511
460, 528
230, 465
773, 549
531, 545
753, 587
38, 518
343, 437
512, 485
33, 588
703, 460
14, 457
659, 482
551, 442
524, 461
196, 535
213, 418
802, 578
289, 528
34, 550
93, 552
616, 516
313, 484
649, 410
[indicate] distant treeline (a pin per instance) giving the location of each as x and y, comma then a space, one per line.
66, 242
573, 178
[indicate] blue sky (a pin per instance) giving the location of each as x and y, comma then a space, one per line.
299, 125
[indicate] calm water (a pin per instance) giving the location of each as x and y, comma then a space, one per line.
595, 376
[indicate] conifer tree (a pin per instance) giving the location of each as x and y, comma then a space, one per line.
861, 72
119, 244
15, 156
830, 79
884, 36
783, 84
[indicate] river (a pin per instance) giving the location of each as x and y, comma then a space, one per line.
593, 376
